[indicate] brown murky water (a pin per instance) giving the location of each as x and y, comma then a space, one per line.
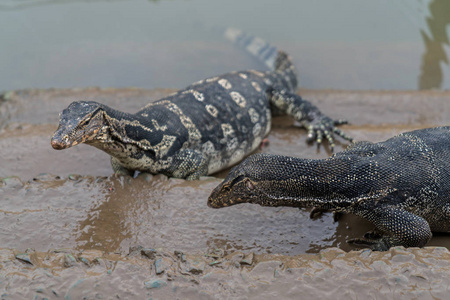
72, 229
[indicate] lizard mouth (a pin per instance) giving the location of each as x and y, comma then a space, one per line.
219, 202
215, 204
61, 143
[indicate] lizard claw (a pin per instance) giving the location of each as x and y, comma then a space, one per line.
373, 241
323, 126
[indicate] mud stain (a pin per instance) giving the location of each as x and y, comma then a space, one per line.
92, 234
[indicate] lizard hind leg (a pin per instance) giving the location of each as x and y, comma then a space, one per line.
394, 227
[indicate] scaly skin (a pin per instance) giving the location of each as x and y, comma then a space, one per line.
401, 185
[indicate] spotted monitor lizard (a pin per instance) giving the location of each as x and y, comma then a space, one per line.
401, 185
202, 129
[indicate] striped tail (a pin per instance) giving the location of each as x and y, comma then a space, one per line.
276, 60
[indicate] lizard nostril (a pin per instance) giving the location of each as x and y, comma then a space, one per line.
56, 145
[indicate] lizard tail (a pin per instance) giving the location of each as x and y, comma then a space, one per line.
275, 59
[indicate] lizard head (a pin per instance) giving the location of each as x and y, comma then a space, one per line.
233, 190
80, 122
239, 186
264, 179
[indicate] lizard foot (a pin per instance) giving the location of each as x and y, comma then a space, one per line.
323, 126
375, 244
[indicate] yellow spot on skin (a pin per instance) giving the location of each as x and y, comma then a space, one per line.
257, 73
256, 129
212, 110
194, 133
224, 83
254, 116
197, 95
227, 129
238, 98
256, 86
211, 79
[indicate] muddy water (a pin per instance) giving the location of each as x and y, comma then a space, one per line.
70, 201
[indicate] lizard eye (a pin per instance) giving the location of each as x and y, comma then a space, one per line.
227, 188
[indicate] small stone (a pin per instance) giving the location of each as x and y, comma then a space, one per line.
248, 259
69, 260
216, 262
12, 182
7, 96
216, 253
162, 264
75, 177
25, 257
150, 253
195, 266
154, 284
135, 250
85, 261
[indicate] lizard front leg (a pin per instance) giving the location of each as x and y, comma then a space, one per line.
189, 164
119, 169
317, 124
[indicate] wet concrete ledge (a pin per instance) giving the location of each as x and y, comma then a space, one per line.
419, 108
395, 274
96, 220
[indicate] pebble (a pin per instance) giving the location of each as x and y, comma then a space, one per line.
150, 253
69, 260
75, 177
248, 259
162, 264
195, 266
12, 182
25, 257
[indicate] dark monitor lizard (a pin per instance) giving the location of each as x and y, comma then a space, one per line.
401, 185
202, 129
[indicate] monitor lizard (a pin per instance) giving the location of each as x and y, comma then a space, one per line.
401, 185
204, 128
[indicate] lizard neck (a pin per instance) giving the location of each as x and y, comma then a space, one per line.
114, 138
326, 183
